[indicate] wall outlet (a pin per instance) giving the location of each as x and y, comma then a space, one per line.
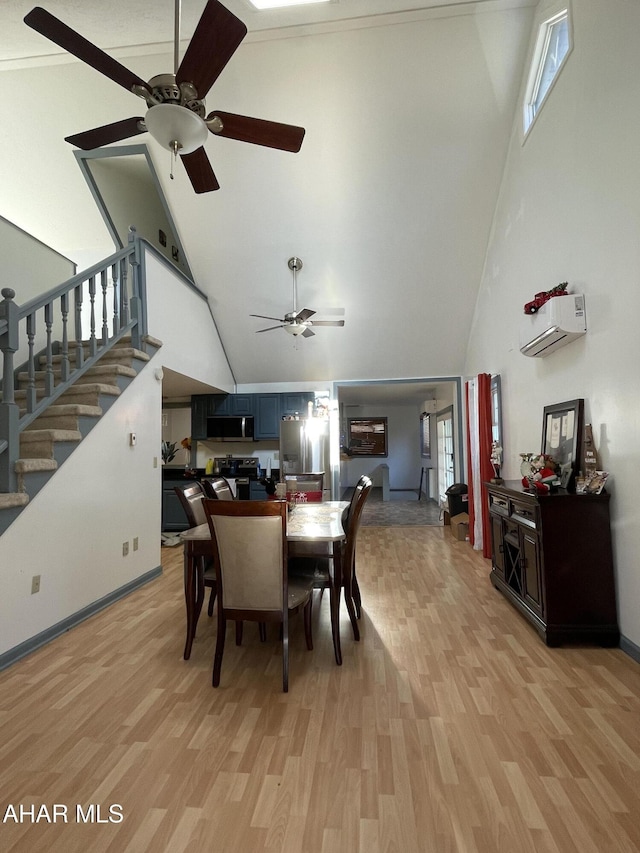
125, 549
135, 544
155, 461
35, 584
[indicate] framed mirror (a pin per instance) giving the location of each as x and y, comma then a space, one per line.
562, 430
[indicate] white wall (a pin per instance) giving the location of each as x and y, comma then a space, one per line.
569, 210
181, 319
403, 445
72, 532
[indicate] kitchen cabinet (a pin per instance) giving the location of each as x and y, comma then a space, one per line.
257, 491
296, 404
268, 410
205, 405
174, 519
552, 558
267, 416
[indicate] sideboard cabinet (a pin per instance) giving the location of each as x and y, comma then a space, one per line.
552, 558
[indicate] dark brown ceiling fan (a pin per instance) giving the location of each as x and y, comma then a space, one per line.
176, 115
298, 322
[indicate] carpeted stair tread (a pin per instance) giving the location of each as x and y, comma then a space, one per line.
11, 499
34, 435
32, 466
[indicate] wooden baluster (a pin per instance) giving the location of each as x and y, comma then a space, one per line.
31, 381
48, 376
116, 299
77, 292
64, 363
124, 295
9, 413
105, 310
93, 344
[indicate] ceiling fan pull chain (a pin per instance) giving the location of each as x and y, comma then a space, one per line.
175, 147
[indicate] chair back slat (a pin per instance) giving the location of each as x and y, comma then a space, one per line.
191, 497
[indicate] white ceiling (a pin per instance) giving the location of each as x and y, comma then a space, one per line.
408, 109
140, 24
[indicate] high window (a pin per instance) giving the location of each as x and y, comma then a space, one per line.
551, 49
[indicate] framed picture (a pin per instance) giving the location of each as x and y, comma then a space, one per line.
367, 437
562, 431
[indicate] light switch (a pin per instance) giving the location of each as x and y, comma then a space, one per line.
132, 439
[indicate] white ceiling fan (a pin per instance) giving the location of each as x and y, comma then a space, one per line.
298, 322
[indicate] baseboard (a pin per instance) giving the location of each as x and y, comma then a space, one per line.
630, 648
23, 649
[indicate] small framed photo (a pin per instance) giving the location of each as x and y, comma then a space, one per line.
595, 484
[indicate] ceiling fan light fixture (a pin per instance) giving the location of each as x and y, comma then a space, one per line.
295, 328
173, 126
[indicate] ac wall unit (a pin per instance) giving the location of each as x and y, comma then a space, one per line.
558, 322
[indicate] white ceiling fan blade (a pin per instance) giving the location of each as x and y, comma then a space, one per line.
330, 311
326, 322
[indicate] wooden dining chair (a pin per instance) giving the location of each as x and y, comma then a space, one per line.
362, 486
249, 540
218, 488
191, 496
305, 564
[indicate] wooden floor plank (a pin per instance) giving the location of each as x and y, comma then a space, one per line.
449, 727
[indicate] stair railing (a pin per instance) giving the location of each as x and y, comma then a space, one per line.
99, 321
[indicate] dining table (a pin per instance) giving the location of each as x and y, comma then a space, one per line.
312, 523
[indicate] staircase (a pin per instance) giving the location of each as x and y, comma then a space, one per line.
53, 436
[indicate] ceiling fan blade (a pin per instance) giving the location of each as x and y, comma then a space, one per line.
107, 133
303, 315
52, 28
272, 134
307, 333
264, 317
327, 322
270, 329
200, 172
215, 40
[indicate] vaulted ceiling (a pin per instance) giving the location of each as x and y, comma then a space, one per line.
408, 109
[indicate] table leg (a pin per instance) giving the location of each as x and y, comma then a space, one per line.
334, 600
193, 594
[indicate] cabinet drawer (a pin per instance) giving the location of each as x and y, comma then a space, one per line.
499, 505
524, 513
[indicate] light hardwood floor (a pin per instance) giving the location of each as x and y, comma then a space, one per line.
450, 726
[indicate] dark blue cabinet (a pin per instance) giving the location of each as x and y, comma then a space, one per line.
267, 414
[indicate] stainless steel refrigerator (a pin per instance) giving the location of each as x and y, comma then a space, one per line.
305, 448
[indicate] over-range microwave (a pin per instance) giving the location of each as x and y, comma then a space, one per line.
230, 427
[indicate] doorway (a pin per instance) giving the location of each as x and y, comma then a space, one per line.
446, 453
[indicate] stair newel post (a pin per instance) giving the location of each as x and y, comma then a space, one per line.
137, 303
116, 302
77, 298
105, 309
48, 376
64, 310
31, 363
93, 344
9, 413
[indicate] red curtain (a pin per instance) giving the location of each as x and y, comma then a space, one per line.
479, 439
